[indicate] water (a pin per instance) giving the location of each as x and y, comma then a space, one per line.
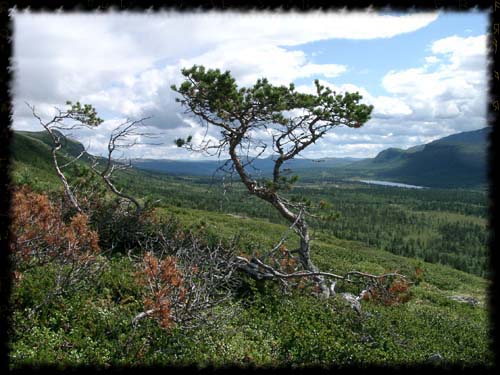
396, 184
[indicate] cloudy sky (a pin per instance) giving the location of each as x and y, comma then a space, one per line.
425, 73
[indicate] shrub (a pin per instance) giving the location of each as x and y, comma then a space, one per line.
389, 292
187, 278
42, 237
165, 286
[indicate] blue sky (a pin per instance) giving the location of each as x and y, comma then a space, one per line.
424, 72
369, 60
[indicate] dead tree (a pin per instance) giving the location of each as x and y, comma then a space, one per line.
124, 136
292, 121
75, 117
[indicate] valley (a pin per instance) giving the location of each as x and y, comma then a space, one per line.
437, 237
456, 161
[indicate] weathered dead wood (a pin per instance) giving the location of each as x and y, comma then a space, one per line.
124, 136
83, 117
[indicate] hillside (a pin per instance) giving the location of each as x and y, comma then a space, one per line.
262, 166
385, 217
455, 161
268, 327
32, 159
459, 160
35, 147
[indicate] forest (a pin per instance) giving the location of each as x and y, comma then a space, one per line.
436, 225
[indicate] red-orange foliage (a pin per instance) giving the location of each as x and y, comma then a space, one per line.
286, 262
399, 290
419, 272
166, 290
395, 292
41, 235
419, 275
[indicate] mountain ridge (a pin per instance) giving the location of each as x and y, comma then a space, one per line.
457, 160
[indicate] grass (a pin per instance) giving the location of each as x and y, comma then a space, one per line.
267, 328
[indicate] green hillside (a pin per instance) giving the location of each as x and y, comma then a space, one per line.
32, 159
415, 223
92, 325
34, 145
459, 160
456, 161
451, 166
268, 329
444, 165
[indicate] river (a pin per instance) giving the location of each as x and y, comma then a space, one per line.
395, 184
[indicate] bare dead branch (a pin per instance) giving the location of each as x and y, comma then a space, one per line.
124, 136
207, 279
84, 118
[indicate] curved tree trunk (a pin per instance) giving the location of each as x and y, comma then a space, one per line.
305, 257
300, 227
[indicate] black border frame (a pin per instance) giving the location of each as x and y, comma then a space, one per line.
6, 74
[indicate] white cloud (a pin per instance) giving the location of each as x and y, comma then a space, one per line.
384, 106
125, 63
251, 62
431, 60
461, 50
444, 96
71, 54
454, 90
281, 28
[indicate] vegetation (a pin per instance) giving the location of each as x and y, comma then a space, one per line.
294, 121
408, 222
113, 285
458, 161
94, 325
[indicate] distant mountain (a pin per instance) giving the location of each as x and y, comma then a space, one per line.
262, 166
178, 167
458, 160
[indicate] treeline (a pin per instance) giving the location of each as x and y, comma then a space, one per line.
446, 227
435, 225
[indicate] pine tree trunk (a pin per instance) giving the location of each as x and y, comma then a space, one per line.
305, 257
300, 225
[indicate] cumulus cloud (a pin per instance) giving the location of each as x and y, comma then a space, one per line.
446, 95
125, 63
251, 62
60, 55
453, 90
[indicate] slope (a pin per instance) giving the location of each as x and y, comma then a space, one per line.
268, 328
455, 161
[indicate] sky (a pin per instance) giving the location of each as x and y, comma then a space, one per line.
425, 73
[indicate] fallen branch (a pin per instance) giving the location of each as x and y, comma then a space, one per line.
258, 269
